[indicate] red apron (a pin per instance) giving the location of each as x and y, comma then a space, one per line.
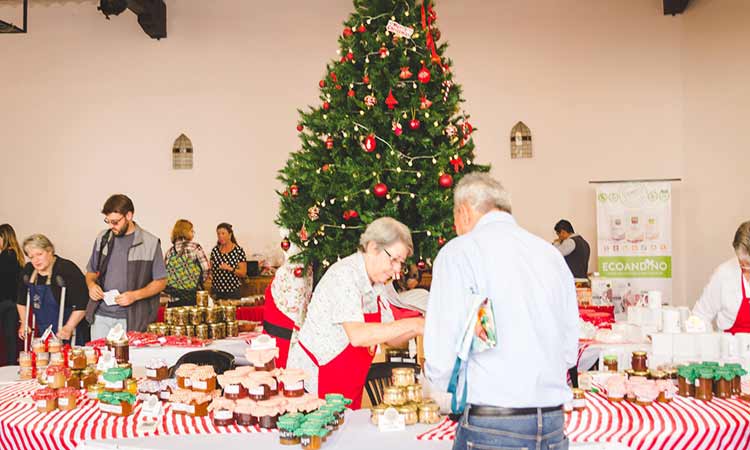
277, 325
742, 322
347, 373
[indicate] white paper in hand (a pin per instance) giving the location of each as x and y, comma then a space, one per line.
110, 296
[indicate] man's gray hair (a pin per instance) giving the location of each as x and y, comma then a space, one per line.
482, 193
38, 242
741, 242
386, 231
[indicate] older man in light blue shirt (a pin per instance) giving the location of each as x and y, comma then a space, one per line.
519, 386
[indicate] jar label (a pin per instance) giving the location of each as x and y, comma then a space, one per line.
233, 389
223, 414
62, 401
257, 391
305, 441
200, 385
114, 384
50, 379
179, 407
295, 386
164, 395
151, 373
41, 404
112, 409
668, 394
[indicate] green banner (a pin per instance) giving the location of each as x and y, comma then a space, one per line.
635, 266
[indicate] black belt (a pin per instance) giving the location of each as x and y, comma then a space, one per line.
275, 330
496, 411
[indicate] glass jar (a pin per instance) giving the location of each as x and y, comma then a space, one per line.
376, 412
180, 316
579, 400
25, 359
54, 345
233, 329
704, 385
178, 330
56, 359
638, 362
685, 381
77, 359
26, 373
738, 372
196, 316
38, 345
394, 396
230, 313
223, 417
169, 315
610, 362
723, 382
414, 393
88, 377
411, 417
190, 330
201, 299
201, 331
122, 350
42, 359
153, 328
163, 329
402, 376
429, 413
218, 331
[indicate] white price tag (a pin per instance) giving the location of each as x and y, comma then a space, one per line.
233, 389
41, 403
151, 373
62, 401
113, 384
294, 387
151, 407
257, 391
223, 414
202, 385
112, 409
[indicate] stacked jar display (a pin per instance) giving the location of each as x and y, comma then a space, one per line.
214, 322
405, 396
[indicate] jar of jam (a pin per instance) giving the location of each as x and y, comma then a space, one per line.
54, 345
153, 328
235, 391
56, 359
201, 331
259, 393
218, 330
414, 393
25, 373
638, 362
77, 359
74, 380
196, 316
287, 426
230, 313
410, 414
88, 377
163, 329
121, 348
233, 329
610, 362
190, 330
704, 385
429, 413
38, 345
25, 359
686, 381
45, 400
739, 372
169, 315
201, 298
723, 382
402, 376
579, 400
178, 330
223, 417
394, 396
66, 398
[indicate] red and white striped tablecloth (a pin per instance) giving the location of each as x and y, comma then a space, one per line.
23, 428
685, 423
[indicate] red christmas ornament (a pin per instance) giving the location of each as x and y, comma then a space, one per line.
391, 100
421, 265
405, 73
361, 29
414, 124
466, 128
294, 190
350, 214
441, 241
347, 32
285, 244
334, 77
300, 127
397, 128
424, 75
366, 79
383, 52
322, 83
457, 164
337, 87
346, 215
326, 105
350, 56
298, 272
424, 103
370, 143
325, 167
329, 142
380, 190
445, 180
350, 93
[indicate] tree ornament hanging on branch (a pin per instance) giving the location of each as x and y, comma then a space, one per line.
383, 52
424, 103
300, 127
350, 214
329, 142
347, 32
424, 75
370, 101
370, 143
391, 100
326, 106
414, 124
451, 131
405, 73
298, 271
313, 212
397, 128
380, 190
294, 190
457, 164
447, 84
445, 181
285, 244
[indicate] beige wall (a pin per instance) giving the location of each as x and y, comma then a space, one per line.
610, 89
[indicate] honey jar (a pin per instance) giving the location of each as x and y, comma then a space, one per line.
201, 331
218, 330
394, 395
178, 330
402, 376
233, 329
429, 413
410, 414
414, 393
230, 313
169, 315
201, 299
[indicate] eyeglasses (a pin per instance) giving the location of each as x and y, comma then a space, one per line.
113, 222
394, 261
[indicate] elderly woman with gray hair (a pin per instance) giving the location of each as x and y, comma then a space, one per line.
43, 280
347, 318
726, 297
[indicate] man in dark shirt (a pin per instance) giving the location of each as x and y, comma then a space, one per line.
573, 247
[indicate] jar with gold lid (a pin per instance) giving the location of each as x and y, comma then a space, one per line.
169, 315
233, 329
414, 393
230, 313
163, 329
197, 316
178, 330
214, 314
180, 316
201, 299
190, 330
376, 412
411, 417
153, 328
402, 376
201, 331
394, 395
218, 330
429, 413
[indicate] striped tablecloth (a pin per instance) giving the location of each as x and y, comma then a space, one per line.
685, 423
23, 428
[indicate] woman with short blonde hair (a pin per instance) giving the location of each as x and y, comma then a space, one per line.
187, 265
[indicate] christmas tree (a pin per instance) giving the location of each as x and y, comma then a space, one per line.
388, 139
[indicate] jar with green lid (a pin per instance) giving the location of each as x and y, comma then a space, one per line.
704, 384
610, 362
710, 364
333, 396
723, 377
686, 381
311, 437
287, 426
739, 372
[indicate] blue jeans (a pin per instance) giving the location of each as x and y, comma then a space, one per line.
530, 432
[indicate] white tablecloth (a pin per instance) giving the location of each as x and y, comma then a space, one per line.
140, 356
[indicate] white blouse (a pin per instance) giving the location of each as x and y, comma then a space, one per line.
344, 294
722, 296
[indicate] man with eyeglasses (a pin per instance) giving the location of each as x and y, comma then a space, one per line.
128, 259
725, 297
